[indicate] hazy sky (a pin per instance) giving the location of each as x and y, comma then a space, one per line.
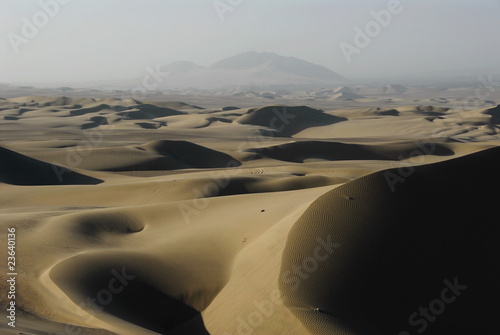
113, 39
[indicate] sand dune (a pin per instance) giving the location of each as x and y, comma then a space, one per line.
335, 151
164, 217
494, 113
397, 243
146, 111
191, 155
145, 302
158, 155
288, 120
17, 169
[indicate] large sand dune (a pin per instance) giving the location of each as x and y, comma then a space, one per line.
163, 217
395, 245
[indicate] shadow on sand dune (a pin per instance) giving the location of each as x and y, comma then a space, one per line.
18, 169
419, 256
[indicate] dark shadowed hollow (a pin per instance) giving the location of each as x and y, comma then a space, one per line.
126, 293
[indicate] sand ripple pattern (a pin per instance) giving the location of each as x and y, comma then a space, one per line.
396, 249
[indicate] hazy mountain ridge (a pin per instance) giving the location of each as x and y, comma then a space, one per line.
249, 68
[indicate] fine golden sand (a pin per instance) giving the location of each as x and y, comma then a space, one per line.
168, 218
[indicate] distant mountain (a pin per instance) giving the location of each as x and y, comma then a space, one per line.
250, 69
275, 62
182, 66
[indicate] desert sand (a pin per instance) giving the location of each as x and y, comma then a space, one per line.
347, 211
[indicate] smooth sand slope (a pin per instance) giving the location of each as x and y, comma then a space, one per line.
143, 217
